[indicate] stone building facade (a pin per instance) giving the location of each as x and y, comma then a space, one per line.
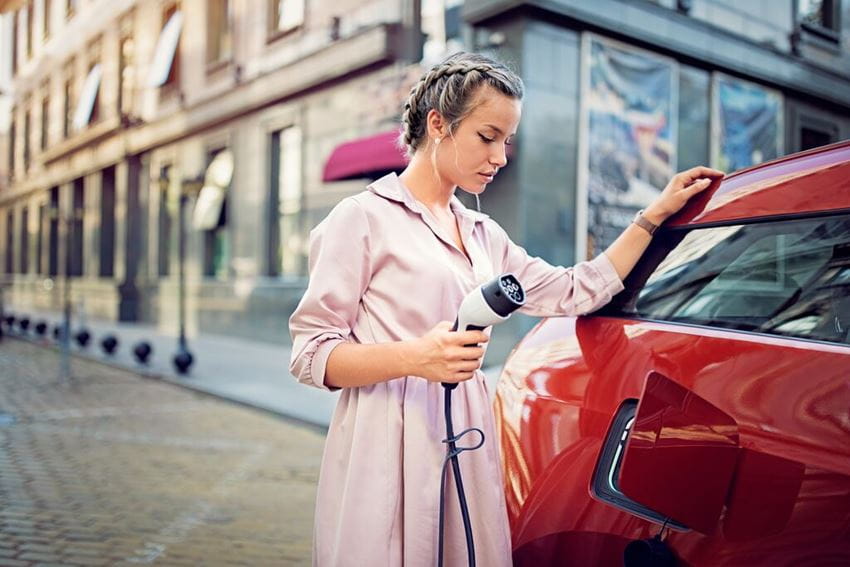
104, 127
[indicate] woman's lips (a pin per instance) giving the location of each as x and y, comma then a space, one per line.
486, 177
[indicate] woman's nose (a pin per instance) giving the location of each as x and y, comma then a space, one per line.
500, 157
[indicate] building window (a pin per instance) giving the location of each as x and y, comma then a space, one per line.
748, 123
285, 197
14, 43
173, 56
285, 15
29, 11
46, 21
165, 223
10, 235
219, 31
107, 223
125, 68
694, 120
88, 106
75, 238
53, 233
27, 124
453, 20
39, 240
12, 140
68, 103
820, 16
217, 236
25, 241
90, 95
45, 116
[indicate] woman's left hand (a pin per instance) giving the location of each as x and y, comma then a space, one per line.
679, 190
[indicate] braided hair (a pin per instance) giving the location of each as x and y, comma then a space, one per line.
451, 88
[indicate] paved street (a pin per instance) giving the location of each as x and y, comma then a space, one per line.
116, 469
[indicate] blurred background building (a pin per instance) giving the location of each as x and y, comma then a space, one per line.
265, 113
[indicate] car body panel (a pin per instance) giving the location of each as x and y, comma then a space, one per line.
788, 398
790, 185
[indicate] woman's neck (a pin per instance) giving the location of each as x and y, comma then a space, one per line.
421, 180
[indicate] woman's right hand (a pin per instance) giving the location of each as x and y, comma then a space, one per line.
439, 355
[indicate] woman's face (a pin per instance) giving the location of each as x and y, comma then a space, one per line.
477, 151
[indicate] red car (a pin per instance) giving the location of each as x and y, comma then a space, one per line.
709, 400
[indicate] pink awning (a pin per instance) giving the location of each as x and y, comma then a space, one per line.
365, 157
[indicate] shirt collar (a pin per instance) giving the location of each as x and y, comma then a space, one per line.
391, 187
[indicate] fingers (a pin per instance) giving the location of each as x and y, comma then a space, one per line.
700, 171
471, 337
467, 366
466, 353
696, 187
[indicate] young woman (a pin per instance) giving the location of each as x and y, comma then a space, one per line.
388, 270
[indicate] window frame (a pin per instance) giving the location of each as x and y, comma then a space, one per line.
45, 19
223, 225
9, 264
45, 116
27, 134
172, 82
13, 135
68, 92
24, 242
126, 66
216, 60
15, 37
831, 35
273, 31
277, 139
30, 31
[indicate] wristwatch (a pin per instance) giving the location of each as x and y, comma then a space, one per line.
645, 224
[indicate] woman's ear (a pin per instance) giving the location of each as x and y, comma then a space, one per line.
436, 125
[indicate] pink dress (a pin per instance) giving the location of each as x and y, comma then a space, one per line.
382, 269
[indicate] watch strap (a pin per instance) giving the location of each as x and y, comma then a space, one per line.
645, 224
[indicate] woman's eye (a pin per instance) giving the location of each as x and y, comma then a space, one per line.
486, 139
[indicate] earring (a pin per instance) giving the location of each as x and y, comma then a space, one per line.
437, 141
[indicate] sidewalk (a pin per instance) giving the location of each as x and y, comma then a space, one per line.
248, 372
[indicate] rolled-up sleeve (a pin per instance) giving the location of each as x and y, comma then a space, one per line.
339, 273
553, 291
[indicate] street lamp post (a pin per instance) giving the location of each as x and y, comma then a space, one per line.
183, 358
67, 220
1, 310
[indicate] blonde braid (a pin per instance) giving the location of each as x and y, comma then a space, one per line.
411, 107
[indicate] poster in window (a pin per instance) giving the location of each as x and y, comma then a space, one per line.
627, 138
747, 124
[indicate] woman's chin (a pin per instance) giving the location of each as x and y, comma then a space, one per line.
474, 188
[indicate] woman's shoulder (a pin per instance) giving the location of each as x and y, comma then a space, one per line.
356, 212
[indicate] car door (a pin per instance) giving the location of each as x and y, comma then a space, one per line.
712, 394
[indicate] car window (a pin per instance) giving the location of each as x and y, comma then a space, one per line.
787, 278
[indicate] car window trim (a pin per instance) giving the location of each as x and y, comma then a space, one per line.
844, 346
783, 217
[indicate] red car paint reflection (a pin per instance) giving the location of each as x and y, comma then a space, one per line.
741, 434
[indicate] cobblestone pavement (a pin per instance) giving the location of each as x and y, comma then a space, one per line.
116, 469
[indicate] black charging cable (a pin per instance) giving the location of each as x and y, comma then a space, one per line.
452, 452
